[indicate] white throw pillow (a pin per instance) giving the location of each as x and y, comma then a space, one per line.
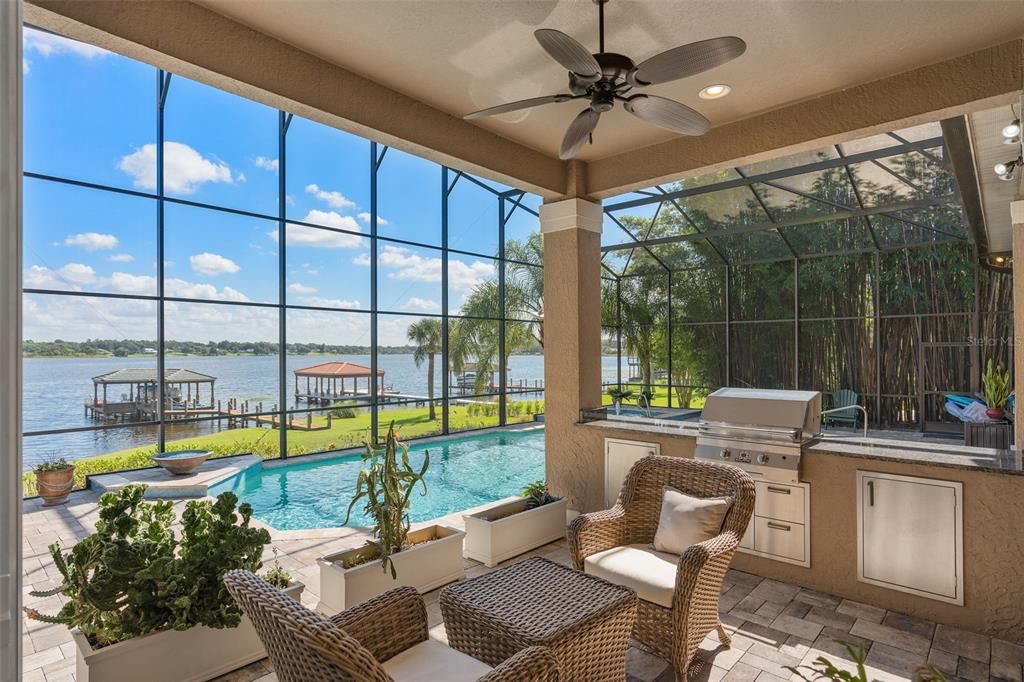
687, 520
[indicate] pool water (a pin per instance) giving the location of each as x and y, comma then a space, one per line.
464, 472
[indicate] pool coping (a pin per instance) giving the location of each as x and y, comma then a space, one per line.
161, 484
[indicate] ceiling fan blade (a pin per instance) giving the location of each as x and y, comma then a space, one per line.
516, 106
568, 52
688, 60
667, 114
578, 133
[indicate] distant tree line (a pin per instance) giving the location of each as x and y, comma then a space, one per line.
128, 347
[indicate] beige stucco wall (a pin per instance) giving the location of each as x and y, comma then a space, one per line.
993, 545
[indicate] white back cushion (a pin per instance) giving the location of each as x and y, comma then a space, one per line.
687, 520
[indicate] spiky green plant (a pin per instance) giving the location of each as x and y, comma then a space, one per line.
537, 495
996, 381
386, 484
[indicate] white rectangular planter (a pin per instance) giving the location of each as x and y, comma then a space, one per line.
194, 655
509, 529
424, 566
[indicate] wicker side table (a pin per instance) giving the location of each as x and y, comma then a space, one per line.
585, 621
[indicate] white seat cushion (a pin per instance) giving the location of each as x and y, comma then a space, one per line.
651, 574
432, 661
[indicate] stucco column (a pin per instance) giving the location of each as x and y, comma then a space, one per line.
10, 340
1017, 218
572, 340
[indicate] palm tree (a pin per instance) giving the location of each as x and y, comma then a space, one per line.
426, 335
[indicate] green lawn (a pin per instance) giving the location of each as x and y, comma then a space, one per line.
344, 433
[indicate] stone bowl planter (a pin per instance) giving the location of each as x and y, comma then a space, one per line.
508, 529
181, 462
435, 559
192, 655
54, 486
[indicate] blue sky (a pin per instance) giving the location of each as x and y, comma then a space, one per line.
90, 116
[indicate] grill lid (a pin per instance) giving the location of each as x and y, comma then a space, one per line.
796, 411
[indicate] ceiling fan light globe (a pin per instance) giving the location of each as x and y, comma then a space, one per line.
1000, 169
1012, 130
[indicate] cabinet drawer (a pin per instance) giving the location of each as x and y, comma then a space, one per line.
779, 501
780, 538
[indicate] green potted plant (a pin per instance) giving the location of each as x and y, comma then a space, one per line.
280, 578
618, 394
515, 525
424, 558
996, 382
138, 595
55, 477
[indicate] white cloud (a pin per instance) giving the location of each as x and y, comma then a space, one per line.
125, 283
77, 273
330, 302
185, 169
121, 258
333, 199
302, 235
362, 259
26, 66
411, 266
240, 177
39, 277
212, 264
365, 217
49, 44
91, 241
422, 304
266, 164
299, 288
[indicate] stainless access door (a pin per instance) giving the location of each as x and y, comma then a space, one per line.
910, 534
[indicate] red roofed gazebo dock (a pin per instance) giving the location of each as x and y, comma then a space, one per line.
326, 382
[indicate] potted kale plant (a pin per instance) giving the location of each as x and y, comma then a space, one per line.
54, 480
145, 604
425, 558
515, 525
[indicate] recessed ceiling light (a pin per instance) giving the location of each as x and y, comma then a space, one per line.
715, 91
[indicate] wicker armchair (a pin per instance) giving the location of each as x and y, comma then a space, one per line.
673, 632
381, 640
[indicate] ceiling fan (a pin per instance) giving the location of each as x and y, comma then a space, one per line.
607, 77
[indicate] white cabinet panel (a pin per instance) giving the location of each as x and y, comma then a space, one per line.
780, 527
619, 458
910, 534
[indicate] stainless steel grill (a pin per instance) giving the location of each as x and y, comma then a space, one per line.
761, 431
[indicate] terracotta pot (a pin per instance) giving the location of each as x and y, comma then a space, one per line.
995, 412
54, 486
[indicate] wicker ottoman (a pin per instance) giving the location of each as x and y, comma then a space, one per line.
585, 621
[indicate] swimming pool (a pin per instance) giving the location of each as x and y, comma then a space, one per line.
464, 472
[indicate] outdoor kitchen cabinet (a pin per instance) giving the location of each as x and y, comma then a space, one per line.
619, 457
910, 535
780, 526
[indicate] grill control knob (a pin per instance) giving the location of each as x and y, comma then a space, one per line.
725, 454
762, 458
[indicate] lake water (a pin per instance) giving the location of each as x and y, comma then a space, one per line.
56, 389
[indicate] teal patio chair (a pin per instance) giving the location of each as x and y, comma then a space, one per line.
844, 397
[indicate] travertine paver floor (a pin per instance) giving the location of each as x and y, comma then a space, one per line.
774, 625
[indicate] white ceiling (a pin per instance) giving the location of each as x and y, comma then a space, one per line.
464, 55
996, 195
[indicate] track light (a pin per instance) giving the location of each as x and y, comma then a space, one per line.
1005, 170
1011, 133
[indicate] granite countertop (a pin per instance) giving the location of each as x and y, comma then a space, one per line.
946, 455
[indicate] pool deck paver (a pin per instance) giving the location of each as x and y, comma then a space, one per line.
773, 625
